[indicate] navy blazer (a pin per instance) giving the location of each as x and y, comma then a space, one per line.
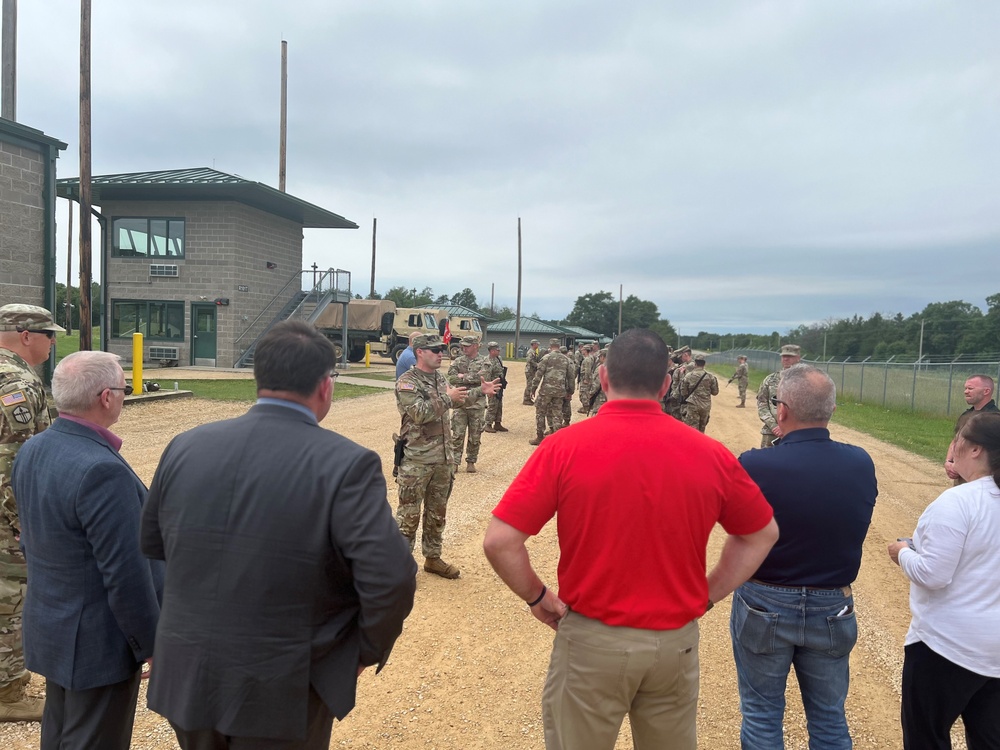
92, 600
285, 571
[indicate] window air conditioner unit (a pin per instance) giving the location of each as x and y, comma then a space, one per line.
164, 352
162, 269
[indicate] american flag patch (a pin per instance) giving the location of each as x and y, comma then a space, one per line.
17, 397
406, 386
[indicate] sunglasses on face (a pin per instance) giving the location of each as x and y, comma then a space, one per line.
436, 349
49, 334
126, 388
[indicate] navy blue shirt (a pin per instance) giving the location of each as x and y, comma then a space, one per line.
823, 494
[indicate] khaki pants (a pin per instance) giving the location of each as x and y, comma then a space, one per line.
598, 674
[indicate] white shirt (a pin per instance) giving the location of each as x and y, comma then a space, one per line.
954, 591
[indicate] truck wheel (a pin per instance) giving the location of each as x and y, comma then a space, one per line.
356, 354
454, 351
394, 355
338, 351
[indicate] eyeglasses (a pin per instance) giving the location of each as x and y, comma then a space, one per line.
126, 388
49, 334
775, 402
334, 374
435, 349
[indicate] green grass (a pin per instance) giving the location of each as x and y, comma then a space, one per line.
244, 390
927, 435
71, 343
387, 376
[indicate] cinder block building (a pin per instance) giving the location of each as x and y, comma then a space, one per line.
198, 261
27, 215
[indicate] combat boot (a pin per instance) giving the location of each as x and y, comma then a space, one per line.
537, 441
15, 705
439, 567
470, 467
528, 402
489, 428
500, 428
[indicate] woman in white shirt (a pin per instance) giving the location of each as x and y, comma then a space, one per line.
951, 666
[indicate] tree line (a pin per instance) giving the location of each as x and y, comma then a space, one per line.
942, 331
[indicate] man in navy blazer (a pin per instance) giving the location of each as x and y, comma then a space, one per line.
90, 612
286, 572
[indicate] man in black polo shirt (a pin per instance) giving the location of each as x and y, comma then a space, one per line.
797, 610
979, 393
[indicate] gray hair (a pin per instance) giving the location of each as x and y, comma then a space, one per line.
808, 392
79, 379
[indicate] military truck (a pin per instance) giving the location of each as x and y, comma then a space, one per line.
376, 322
459, 326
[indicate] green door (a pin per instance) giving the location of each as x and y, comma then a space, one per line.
203, 334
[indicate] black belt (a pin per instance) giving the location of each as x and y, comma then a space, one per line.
845, 590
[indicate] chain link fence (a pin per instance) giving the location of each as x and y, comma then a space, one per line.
929, 387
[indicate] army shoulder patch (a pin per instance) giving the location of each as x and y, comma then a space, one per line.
406, 386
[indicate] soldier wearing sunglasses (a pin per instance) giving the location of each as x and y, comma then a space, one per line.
27, 335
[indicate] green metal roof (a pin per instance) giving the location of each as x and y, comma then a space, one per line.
17, 131
203, 184
529, 326
459, 311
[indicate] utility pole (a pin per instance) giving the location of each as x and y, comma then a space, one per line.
620, 309
86, 318
8, 61
374, 230
69, 271
517, 320
283, 135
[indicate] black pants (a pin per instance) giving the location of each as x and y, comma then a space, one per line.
317, 738
936, 692
96, 719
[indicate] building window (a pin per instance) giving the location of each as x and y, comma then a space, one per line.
159, 321
148, 238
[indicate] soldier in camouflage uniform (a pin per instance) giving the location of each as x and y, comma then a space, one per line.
427, 471
697, 390
597, 396
27, 335
494, 409
553, 385
567, 407
682, 366
588, 367
469, 370
741, 378
767, 407
530, 368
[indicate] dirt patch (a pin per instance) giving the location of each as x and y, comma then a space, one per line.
469, 667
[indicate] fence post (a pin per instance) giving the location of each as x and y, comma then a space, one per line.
951, 374
861, 394
885, 380
843, 374
913, 389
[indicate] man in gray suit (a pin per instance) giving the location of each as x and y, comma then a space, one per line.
90, 612
286, 573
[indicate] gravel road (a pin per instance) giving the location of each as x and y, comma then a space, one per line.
468, 670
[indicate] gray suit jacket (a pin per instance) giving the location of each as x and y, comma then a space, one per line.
285, 570
91, 607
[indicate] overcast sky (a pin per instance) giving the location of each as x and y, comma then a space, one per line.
746, 165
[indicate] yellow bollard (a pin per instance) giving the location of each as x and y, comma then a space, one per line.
136, 363
368, 354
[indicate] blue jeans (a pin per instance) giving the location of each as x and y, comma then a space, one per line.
776, 627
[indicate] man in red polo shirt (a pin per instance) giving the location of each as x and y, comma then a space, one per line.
636, 495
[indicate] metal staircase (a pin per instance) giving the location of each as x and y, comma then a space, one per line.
330, 286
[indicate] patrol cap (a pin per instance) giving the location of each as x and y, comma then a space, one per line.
699, 358
563, 349
742, 356
682, 350
791, 350
469, 340
27, 318
535, 341
493, 345
555, 342
428, 341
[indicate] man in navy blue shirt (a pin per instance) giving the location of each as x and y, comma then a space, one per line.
797, 609
407, 357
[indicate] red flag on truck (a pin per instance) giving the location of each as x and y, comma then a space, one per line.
447, 332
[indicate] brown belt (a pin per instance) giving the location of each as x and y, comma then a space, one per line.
845, 590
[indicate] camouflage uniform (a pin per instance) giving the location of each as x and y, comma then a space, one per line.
554, 383
530, 368
741, 378
588, 373
470, 416
597, 396
767, 412
673, 405
23, 413
697, 389
426, 473
494, 409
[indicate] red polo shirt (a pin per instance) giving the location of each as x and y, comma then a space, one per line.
635, 494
